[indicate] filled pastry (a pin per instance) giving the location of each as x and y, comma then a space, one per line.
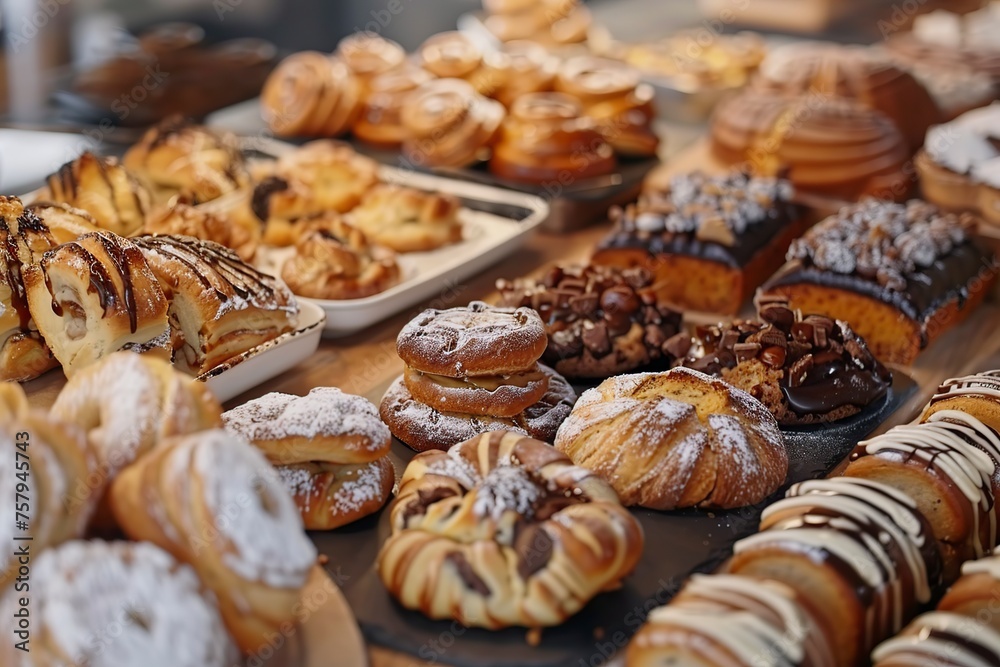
242, 234
408, 220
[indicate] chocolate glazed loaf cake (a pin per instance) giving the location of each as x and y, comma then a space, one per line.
709, 241
899, 274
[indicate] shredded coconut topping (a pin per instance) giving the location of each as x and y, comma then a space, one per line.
506, 488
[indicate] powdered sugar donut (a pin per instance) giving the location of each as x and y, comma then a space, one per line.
331, 495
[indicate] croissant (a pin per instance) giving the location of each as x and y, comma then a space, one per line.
104, 188
214, 502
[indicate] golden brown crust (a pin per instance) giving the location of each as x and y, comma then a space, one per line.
532, 70
380, 121
179, 218
370, 55
331, 495
500, 396
454, 55
407, 220
311, 94
104, 188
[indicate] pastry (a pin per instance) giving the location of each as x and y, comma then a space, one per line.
975, 591
213, 501
507, 395
326, 425
380, 122
676, 439
943, 640
95, 296
512, 531
959, 167
554, 23
104, 188
178, 157
532, 70
180, 218
856, 72
44, 461
949, 467
830, 146
63, 222
899, 274
952, 41
977, 395
689, 63
601, 321
611, 94
331, 495
448, 124
219, 306
956, 87
333, 260
546, 140
709, 241
730, 621
806, 370
422, 427
408, 220
311, 94
106, 604
454, 55
369, 55
858, 553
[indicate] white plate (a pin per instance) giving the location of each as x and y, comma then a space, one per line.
270, 359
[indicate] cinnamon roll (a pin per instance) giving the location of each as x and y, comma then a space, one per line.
178, 157
95, 296
380, 122
448, 124
454, 55
532, 70
239, 233
408, 220
104, 188
369, 55
311, 94
333, 260
220, 307
546, 139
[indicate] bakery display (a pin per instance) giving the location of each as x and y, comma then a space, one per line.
178, 157
709, 241
805, 369
255, 560
959, 167
600, 321
114, 603
330, 450
94, 296
512, 531
899, 274
977, 395
218, 306
474, 369
407, 220
676, 439
311, 94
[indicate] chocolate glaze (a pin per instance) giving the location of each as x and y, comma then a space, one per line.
122, 259
988, 657
260, 201
534, 548
833, 385
468, 576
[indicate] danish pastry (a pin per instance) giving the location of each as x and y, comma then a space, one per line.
676, 439
95, 296
213, 501
63, 222
532, 70
107, 604
454, 55
369, 55
104, 188
180, 218
178, 157
503, 530
331, 495
380, 122
311, 94
408, 220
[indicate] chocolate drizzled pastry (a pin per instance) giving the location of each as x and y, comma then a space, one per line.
601, 321
805, 369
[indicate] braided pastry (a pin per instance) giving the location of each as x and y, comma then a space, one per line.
53, 460
380, 121
503, 530
101, 604
333, 260
454, 55
213, 501
310, 94
408, 220
194, 161
104, 188
448, 123
182, 219
676, 439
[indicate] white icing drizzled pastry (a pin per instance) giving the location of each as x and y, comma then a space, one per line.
939, 639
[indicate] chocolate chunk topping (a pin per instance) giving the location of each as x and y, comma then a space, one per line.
260, 201
596, 339
469, 577
533, 545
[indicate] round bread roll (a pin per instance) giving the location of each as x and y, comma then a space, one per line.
676, 439
330, 495
504, 530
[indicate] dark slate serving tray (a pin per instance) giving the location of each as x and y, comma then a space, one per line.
678, 544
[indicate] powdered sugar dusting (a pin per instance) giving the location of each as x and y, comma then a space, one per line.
506, 488
457, 468
359, 485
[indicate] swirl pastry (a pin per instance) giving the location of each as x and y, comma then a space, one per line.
95, 296
380, 121
545, 139
408, 220
553, 23
448, 124
178, 157
613, 96
831, 146
369, 55
676, 439
503, 530
105, 189
255, 559
333, 260
454, 55
310, 94
107, 604
179, 218
532, 70
53, 459
219, 306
